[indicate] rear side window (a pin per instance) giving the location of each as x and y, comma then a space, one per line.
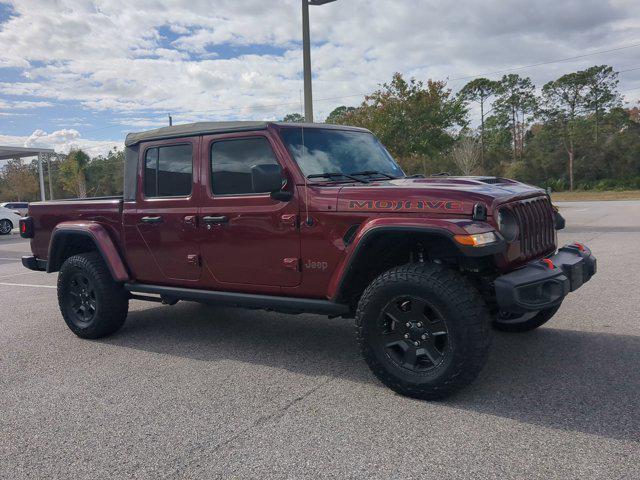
168, 171
231, 163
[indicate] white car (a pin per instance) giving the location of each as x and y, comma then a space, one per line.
8, 220
21, 207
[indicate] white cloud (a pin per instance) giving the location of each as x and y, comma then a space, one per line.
23, 105
61, 141
113, 55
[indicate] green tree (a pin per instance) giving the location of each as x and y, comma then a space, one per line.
497, 141
105, 174
18, 182
338, 114
601, 93
293, 118
516, 100
564, 100
548, 141
411, 118
480, 90
73, 173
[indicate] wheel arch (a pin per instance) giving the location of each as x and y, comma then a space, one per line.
390, 246
70, 239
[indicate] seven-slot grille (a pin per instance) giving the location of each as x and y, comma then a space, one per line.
536, 221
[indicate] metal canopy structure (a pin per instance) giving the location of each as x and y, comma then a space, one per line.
8, 153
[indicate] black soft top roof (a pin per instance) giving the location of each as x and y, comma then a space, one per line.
203, 128
188, 129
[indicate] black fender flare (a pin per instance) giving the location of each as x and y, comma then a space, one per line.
97, 234
343, 273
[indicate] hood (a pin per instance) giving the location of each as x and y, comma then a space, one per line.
452, 195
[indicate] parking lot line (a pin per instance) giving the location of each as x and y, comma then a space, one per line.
26, 285
16, 274
10, 258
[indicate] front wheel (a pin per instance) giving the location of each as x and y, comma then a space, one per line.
5, 226
423, 330
91, 303
509, 322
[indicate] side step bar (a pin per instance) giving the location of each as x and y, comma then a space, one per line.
265, 302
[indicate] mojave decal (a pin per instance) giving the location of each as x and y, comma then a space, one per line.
406, 205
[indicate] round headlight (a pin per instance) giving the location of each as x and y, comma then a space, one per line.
508, 225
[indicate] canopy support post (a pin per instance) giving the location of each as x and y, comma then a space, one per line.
49, 172
41, 175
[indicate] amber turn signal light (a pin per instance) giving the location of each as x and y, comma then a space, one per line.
476, 240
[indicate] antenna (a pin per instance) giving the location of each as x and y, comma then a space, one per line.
170, 120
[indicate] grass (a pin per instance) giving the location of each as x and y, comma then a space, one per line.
586, 195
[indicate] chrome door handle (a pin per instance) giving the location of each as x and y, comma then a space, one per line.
151, 219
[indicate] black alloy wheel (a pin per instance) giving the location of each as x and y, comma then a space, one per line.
82, 299
414, 334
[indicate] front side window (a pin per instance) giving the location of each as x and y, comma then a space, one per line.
232, 161
168, 171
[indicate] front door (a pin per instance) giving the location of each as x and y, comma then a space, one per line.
247, 238
161, 230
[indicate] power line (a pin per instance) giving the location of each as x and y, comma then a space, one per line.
566, 59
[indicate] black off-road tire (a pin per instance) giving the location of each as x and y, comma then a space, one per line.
448, 299
524, 323
91, 303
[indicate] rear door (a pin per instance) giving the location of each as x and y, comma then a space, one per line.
161, 230
247, 238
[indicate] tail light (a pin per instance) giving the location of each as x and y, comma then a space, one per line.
26, 227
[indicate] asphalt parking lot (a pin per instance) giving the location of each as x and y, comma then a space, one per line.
204, 392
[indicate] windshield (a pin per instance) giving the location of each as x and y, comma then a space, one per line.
339, 151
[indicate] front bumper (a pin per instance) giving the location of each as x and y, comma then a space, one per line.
544, 283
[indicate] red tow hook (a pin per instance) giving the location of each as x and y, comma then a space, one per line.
580, 246
549, 263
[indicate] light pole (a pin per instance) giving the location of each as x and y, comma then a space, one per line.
306, 56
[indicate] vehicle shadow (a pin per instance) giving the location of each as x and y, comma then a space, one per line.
570, 380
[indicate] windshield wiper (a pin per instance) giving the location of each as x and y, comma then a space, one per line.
375, 172
336, 174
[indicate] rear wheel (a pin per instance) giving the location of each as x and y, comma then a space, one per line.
5, 226
423, 330
509, 322
91, 303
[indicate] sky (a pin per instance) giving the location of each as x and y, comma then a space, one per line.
83, 73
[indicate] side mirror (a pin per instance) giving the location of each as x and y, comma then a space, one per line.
269, 178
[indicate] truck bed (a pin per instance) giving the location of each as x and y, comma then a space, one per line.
46, 215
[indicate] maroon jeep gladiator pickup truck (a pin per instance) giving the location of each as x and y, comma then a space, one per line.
318, 219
